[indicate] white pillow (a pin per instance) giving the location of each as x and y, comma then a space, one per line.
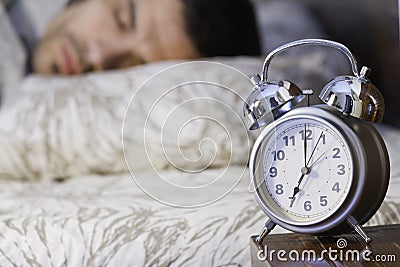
66, 126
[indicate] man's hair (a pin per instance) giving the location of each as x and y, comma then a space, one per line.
222, 27
70, 2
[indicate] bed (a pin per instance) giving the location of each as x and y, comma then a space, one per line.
86, 161
109, 221
67, 200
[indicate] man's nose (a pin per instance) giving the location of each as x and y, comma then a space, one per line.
110, 53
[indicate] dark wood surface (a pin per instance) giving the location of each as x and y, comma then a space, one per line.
384, 250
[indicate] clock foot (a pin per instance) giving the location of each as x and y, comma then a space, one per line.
353, 222
268, 226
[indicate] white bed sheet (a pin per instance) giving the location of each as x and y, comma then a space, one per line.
98, 221
107, 220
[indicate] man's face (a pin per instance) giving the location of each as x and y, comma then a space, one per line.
104, 34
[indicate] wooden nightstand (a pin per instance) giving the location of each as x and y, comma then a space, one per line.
345, 250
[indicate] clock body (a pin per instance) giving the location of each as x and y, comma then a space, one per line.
313, 168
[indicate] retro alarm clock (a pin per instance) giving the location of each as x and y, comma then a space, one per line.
321, 169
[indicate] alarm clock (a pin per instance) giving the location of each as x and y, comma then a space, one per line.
321, 169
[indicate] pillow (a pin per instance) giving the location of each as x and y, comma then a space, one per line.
67, 126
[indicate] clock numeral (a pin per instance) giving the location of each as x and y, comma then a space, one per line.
279, 189
323, 201
336, 151
273, 172
289, 140
292, 199
341, 170
307, 205
307, 135
323, 138
279, 155
336, 187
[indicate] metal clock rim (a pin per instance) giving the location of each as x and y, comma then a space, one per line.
351, 200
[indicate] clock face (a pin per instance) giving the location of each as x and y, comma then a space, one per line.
306, 169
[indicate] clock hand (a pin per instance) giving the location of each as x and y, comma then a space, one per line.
297, 189
317, 160
305, 145
306, 170
312, 153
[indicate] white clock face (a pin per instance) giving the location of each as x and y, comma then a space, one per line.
307, 169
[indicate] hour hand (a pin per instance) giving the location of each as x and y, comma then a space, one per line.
295, 191
304, 172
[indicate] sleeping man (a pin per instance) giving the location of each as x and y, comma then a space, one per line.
95, 35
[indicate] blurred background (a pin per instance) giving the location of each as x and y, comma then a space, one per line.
370, 28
